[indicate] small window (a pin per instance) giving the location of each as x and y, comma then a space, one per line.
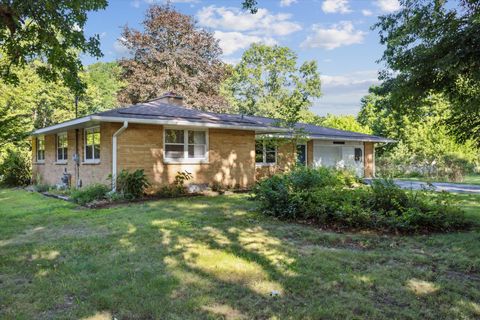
265, 152
302, 154
183, 144
92, 144
62, 147
358, 154
40, 149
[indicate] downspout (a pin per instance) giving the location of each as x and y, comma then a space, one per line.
114, 154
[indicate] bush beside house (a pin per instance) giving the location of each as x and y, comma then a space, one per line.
326, 198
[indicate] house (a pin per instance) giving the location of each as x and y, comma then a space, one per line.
164, 138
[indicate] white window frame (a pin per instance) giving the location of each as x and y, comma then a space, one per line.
264, 155
36, 149
185, 159
64, 134
93, 160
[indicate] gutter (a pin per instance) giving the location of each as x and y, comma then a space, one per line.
114, 154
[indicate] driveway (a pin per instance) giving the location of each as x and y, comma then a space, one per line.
438, 186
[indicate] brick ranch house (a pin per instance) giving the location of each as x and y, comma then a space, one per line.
164, 138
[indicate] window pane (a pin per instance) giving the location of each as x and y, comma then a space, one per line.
301, 154
270, 157
96, 153
88, 152
270, 146
196, 151
358, 154
174, 136
96, 138
59, 154
258, 151
174, 151
197, 137
65, 154
90, 138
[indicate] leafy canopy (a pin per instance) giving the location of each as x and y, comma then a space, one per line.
432, 47
49, 30
268, 82
172, 54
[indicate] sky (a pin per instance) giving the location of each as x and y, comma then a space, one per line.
335, 33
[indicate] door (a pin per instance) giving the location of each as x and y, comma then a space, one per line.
302, 154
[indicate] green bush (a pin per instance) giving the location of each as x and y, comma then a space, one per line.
383, 206
177, 188
89, 194
41, 187
132, 185
15, 170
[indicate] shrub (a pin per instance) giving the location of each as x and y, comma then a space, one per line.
41, 187
132, 185
15, 169
178, 186
89, 194
383, 206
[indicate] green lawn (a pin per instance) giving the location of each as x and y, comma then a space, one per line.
217, 258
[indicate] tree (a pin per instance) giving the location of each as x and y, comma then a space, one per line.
346, 122
172, 54
268, 82
50, 30
432, 47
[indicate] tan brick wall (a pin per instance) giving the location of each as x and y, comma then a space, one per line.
369, 161
286, 159
51, 172
231, 157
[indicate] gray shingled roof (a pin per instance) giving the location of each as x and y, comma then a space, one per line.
158, 110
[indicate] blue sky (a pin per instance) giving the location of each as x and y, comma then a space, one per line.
336, 33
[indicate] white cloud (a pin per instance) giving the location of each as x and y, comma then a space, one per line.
119, 49
287, 3
336, 6
262, 23
342, 93
338, 35
388, 6
367, 13
231, 42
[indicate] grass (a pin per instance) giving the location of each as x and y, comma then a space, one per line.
208, 258
468, 179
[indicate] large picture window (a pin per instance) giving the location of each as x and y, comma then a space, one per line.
62, 147
41, 149
185, 144
92, 144
265, 152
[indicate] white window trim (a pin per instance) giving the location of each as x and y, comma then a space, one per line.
44, 149
185, 160
264, 163
85, 160
56, 148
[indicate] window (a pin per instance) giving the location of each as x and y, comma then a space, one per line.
92, 144
265, 152
185, 144
302, 154
358, 154
62, 147
41, 149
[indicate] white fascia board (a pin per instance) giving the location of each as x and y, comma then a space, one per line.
57, 127
329, 138
187, 124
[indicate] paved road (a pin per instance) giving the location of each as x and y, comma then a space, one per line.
439, 186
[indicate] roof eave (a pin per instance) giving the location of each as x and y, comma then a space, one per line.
96, 118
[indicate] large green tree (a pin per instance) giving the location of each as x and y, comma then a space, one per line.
269, 82
50, 30
433, 47
172, 54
